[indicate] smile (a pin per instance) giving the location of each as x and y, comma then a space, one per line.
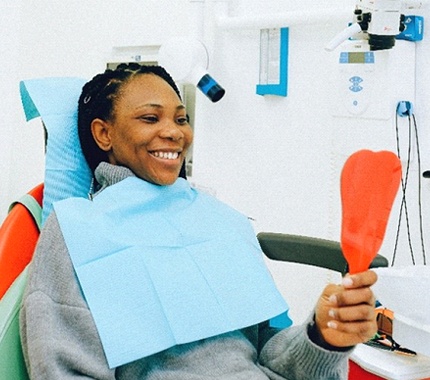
166, 155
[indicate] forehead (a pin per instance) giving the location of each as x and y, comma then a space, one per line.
147, 87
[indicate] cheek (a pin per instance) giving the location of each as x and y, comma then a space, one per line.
125, 148
131, 139
188, 136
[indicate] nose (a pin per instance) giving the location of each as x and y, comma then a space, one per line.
171, 131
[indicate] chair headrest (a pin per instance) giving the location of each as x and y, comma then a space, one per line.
55, 100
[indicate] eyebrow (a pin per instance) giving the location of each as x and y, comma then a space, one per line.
180, 107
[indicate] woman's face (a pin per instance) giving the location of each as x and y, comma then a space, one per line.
149, 132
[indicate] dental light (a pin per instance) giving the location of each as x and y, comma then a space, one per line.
378, 21
187, 61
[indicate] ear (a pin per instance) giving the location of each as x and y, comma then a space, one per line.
101, 134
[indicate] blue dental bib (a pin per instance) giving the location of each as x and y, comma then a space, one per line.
165, 265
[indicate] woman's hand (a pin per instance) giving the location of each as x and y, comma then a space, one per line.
345, 314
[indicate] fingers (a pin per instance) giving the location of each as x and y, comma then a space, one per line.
358, 321
359, 280
355, 300
352, 314
353, 297
356, 290
344, 334
348, 326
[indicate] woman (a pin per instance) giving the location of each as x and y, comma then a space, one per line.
90, 272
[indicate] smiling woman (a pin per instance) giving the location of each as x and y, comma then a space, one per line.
154, 279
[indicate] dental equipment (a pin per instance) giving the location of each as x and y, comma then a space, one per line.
378, 21
187, 60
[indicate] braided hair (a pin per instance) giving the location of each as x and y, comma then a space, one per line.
98, 98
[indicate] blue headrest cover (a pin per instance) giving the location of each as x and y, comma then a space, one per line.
55, 100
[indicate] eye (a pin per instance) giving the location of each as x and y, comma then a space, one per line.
151, 119
182, 120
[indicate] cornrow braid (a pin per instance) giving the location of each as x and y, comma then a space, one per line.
98, 98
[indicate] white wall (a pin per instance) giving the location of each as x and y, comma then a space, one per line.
275, 159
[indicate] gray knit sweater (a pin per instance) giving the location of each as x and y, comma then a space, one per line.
60, 340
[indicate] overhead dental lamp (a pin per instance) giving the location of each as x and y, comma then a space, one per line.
378, 21
187, 60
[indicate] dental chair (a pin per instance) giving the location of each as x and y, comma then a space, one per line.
18, 237
54, 100
46, 99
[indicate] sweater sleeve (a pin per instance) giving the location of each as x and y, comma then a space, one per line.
290, 354
58, 334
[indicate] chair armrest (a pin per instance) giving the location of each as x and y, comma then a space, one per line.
308, 250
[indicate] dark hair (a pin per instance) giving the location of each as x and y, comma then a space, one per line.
97, 101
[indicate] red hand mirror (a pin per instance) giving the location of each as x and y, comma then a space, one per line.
369, 184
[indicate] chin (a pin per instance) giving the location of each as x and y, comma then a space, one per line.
163, 181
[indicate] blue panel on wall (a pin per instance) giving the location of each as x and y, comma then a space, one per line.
281, 87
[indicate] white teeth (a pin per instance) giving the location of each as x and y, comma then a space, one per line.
166, 155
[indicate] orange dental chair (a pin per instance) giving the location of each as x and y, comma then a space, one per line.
18, 236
